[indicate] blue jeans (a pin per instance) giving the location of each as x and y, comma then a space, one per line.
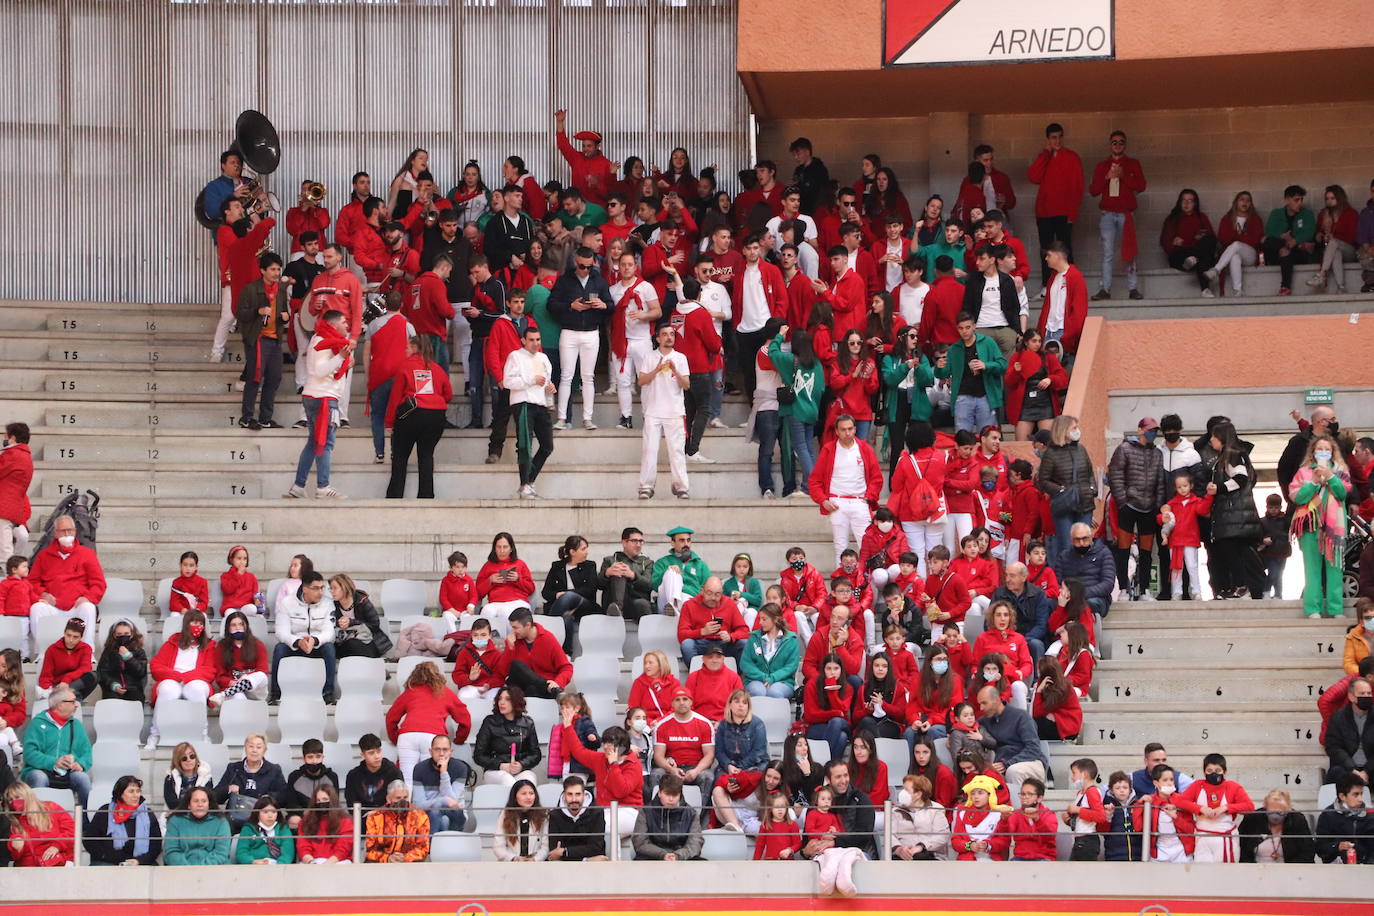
323, 651
836, 734
776, 689
308, 456
378, 398
803, 437
691, 648
1109, 229
477, 381
973, 413
572, 607
934, 733
862, 428
446, 819
79, 780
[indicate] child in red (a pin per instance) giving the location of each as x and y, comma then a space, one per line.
805, 590
1086, 816
1179, 530
1075, 656
16, 595
190, 591
1033, 826
944, 595
900, 657
960, 651
457, 591
775, 595
992, 516
1024, 503
836, 862
778, 839
1072, 607
1215, 803
908, 577
238, 586
68, 661
979, 833
961, 481
978, 575
858, 577
1039, 572
1172, 833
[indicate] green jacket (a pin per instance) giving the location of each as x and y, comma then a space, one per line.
809, 384
45, 741
593, 215
780, 669
1302, 224
192, 842
252, 846
751, 590
537, 307
992, 358
695, 572
935, 249
894, 371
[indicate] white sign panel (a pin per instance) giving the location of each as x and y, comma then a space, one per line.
927, 32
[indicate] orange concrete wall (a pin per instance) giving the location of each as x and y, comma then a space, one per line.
847, 34
1302, 350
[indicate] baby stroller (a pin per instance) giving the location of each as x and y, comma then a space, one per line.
1355, 542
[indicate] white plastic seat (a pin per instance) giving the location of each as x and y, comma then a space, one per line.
111, 759
282, 755
596, 673
64, 797
691, 795
973, 627
12, 633
637, 666
436, 624
217, 756
257, 625
365, 585
943, 755
302, 677
178, 721
598, 634
550, 794
361, 678
487, 804
48, 631
699, 660
554, 625
1326, 796
358, 716
453, 846
300, 718
123, 598
171, 626
403, 597
544, 713
724, 846
340, 757
118, 720
894, 753
216, 595
775, 714
241, 718
479, 708
820, 751
407, 664
270, 597
603, 710
659, 632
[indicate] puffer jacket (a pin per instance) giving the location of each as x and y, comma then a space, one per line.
364, 613
296, 619
1057, 472
1234, 515
1136, 476
495, 737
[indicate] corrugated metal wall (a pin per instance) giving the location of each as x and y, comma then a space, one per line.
113, 112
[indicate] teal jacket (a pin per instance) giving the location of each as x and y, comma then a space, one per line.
893, 372
809, 384
990, 354
780, 669
1302, 224
192, 842
935, 249
252, 846
751, 590
45, 741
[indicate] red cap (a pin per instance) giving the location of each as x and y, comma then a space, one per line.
587, 135
1147, 423
682, 692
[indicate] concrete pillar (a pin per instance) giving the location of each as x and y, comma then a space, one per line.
949, 151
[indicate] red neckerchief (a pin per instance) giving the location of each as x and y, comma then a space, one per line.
328, 337
620, 320
398, 258
122, 812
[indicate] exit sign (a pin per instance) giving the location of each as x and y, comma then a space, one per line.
1319, 396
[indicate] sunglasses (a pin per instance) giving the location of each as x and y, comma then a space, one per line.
188, 757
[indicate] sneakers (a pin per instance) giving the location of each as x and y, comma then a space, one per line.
1208, 294
216, 356
613, 609
588, 425
769, 494
328, 493
1100, 295
1137, 295
1041, 294
646, 493
1189, 262
733, 828
302, 423
562, 424
249, 423
681, 494
626, 423
700, 458
379, 459
294, 493
270, 424
1285, 291
217, 699
527, 492
344, 424
1316, 280
1213, 281
1146, 595
239, 385
798, 494
717, 424
492, 459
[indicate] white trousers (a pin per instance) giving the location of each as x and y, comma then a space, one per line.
921, 537
851, 518
460, 339
498, 612
502, 778
957, 526
226, 321
670, 590
1236, 257
576, 347
624, 374
1176, 575
197, 691
39, 610
674, 434
411, 748
1217, 845
1334, 257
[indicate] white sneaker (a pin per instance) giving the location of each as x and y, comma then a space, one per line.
216, 357
700, 458
1041, 294
1189, 262
1208, 294
1146, 595
588, 424
217, 699
717, 424
681, 494
239, 385
562, 424
1316, 280
646, 493
294, 493
1213, 280
328, 493
744, 425
769, 494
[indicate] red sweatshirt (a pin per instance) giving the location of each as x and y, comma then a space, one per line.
427, 712
840, 700
696, 336
490, 676
777, 840
904, 667
1189, 227
943, 304
238, 257
594, 175
950, 594
544, 655
456, 593
654, 696
1229, 795
848, 302
67, 574
1252, 234
1060, 617
519, 590
656, 255
853, 392
932, 710
819, 484
1011, 644
851, 653
429, 305
61, 836
623, 782
1187, 510
1183, 822
891, 545
1091, 810
928, 465
14, 710
62, 665
1060, 176
710, 689
195, 586
1025, 513
1068, 718
1033, 836
943, 789
339, 844
961, 480
238, 589
695, 615
225, 677
299, 219
999, 842
1131, 183
979, 574
501, 343
1044, 577
1080, 675
16, 597
424, 381
162, 664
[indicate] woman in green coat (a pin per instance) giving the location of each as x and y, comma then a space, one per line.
1318, 493
771, 657
800, 370
906, 375
197, 834
265, 840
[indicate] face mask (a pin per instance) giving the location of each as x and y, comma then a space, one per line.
798, 565
884, 527
640, 725
124, 639
1166, 791
1369, 624
1150, 436
1078, 784
481, 643
239, 636
1276, 817
1172, 437
991, 676
1364, 704
67, 540
1082, 549
1075, 435
904, 799
989, 485
940, 666
1215, 779
196, 630
313, 768
1333, 427
1322, 455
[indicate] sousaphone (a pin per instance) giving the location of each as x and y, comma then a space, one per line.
257, 143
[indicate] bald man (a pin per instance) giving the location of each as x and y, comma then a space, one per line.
710, 619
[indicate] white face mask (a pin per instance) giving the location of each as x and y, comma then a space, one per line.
904, 799
1166, 791
884, 527
640, 725
1322, 455
1075, 435
67, 540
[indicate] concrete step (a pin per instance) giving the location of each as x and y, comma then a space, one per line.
1320, 643
1246, 612
127, 353
1286, 726
1163, 685
1257, 768
1161, 282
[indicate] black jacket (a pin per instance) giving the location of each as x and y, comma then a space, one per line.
365, 613
1064, 466
301, 786
1291, 460
583, 577
101, 846
132, 674
1135, 474
1097, 569
974, 285
583, 837
459, 283
254, 297
492, 745
1335, 825
1342, 738
501, 239
1297, 843
1234, 515
856, 813
567, 289
268, 780
366, 788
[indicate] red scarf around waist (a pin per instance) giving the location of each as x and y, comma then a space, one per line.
620, 344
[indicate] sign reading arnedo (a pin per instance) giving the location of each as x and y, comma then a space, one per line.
927, 32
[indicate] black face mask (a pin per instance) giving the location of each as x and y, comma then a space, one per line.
1215, 779
1172, 437
240, 636
1082, 549
124, 639
1333, 427
1364, 704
